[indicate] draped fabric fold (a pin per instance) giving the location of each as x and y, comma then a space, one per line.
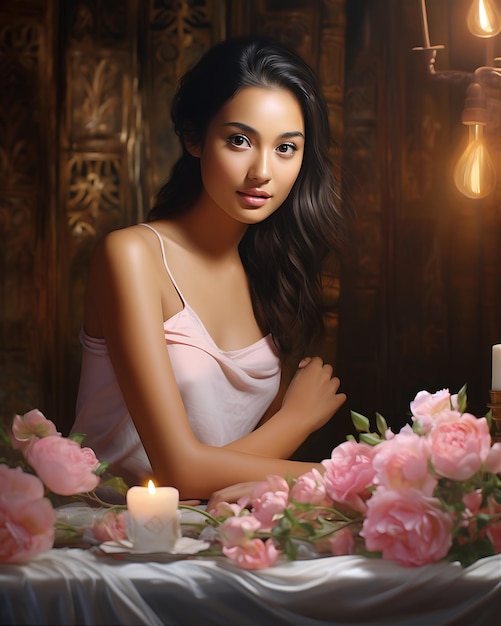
71, 586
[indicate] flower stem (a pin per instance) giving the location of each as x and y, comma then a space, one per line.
210, 517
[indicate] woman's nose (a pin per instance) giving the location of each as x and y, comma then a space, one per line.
260, 167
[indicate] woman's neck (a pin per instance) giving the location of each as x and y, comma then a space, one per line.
206, 227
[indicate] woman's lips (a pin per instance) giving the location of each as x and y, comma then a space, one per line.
254, 199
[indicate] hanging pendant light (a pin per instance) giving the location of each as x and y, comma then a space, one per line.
484, 19
474, 173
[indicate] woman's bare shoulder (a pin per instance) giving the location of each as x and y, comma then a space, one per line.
129, 244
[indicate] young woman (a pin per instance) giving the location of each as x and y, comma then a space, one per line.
190, 316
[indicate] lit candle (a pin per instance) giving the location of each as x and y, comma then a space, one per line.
496, 367
154, 518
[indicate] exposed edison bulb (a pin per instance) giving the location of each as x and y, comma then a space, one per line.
475, 174
484, 19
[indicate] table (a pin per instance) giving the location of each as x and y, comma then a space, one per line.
76, 586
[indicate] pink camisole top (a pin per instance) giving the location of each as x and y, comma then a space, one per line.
225, 393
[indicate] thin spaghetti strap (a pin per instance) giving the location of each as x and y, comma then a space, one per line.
162, 247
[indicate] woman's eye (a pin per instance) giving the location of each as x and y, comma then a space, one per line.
239, 141
287, 148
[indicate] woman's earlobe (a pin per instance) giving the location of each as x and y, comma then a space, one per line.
194, 149
192, 145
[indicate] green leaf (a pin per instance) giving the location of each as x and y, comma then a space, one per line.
307, 528
78, 437
482, 520
117, 483
381, 424
488, 417
370, 438
462, 399
102, 468
360, 422
290, 549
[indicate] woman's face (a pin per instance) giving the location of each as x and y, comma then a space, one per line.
252, 153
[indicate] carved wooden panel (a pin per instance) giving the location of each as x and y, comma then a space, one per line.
25, 174
177, 35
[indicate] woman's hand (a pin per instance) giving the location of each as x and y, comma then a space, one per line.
313, 394
230, 494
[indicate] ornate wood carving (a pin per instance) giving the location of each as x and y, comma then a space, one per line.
178, 33
23, 53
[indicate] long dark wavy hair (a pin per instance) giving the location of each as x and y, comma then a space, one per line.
284, 254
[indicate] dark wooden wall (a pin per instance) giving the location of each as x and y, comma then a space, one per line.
421, 290
85, 141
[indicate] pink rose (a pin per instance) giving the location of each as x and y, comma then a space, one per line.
269, 499
257, 554
342, 542
63, 466
310, 488
26, 517
32, 425
430, 409
238, 531
493, 460
229, 509
407, 527
472, 502
402, 462
111, 526
28, 428
349, 474
459, 448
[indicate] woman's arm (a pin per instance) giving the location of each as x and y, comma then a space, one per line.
309, 402
124, 288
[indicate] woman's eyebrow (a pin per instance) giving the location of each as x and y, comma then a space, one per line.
248, 129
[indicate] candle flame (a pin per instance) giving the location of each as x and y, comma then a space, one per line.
151, 487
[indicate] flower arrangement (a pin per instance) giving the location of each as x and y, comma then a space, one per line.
42, 468
430, 492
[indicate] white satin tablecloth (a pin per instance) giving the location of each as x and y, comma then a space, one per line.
74, 586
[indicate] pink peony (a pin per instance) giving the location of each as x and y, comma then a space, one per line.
459, 448
269, 499
429, 409
493, 460
63, 466
349, 474
401, 462
227, 509
310, 488
256, 554
472, 502
407, 527
342, 542
111, 526
26, 517
238, 531
32, 425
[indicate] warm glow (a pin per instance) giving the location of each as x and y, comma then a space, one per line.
151, 487
474, 174
484, 19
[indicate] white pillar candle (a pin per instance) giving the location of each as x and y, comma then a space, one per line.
496, 367
154, 518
